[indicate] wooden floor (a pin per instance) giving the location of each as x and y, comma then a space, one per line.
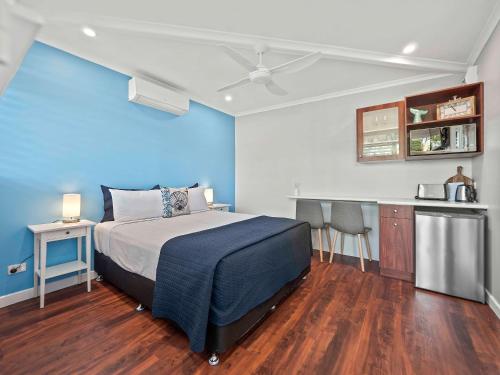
340, 321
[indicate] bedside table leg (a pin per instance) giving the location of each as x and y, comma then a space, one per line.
79, 254
36, 263
87, 256
43, 264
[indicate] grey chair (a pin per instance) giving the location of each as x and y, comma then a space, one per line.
311, 212
347, 218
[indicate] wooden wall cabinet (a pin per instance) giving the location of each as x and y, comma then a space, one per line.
397, 242
448, 128
432, 126
381, 132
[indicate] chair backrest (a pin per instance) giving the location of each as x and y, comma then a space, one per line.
311, 212
347, 217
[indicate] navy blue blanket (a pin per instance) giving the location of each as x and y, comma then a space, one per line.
219, 274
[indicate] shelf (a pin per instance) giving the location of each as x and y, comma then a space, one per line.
430, 101
386, 130
63, 269
445, 122
448, 155
380, 143
441, 96
439, 152
378, 155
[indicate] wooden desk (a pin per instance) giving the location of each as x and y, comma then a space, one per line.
397, 229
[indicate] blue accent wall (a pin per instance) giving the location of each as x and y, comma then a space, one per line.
66, 126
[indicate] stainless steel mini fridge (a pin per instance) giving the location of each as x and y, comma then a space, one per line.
450, 253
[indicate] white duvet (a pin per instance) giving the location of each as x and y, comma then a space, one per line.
135, 245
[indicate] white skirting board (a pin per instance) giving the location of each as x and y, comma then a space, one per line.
26, 294
493, 303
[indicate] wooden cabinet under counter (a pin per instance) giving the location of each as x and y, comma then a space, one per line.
397, 241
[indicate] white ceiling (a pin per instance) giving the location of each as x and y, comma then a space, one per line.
362, 41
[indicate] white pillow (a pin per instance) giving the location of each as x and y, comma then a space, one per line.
136, 205
197, 200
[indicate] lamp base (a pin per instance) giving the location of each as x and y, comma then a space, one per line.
68, 220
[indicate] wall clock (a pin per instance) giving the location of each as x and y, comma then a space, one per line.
457, 107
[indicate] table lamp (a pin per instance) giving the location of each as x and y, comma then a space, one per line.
209, 196
71, 208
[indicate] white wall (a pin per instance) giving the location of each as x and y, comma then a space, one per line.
315, 144
487, 167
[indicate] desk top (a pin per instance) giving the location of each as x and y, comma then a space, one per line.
51, 227
396, 201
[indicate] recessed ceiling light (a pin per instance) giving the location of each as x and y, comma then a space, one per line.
89, 32
410, 48
228, 98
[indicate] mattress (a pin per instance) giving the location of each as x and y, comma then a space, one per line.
135, 245
218, 275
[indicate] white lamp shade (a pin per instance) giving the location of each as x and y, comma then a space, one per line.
71, 205
209, 195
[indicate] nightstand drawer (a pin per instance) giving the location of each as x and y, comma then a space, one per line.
64, 234
221, 209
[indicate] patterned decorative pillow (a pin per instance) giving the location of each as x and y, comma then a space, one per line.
165, 199
175, 201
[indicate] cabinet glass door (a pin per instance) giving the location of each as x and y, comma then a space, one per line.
381, 132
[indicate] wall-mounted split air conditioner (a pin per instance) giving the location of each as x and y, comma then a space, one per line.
153, 95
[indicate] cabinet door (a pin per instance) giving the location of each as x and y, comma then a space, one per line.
396, 248
381, 132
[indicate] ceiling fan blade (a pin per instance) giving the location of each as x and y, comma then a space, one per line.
240, 82
297, 64
275, 89
239, 58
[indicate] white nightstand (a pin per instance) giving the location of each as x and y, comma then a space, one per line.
220, 207
44, 233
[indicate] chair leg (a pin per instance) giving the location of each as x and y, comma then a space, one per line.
320, 237
342, 243
360, 251
328, 238
368, 247
332, 250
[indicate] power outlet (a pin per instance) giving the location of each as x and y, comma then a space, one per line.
11, 270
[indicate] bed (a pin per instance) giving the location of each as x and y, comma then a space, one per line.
248, 282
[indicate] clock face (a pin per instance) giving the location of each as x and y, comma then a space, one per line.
456, 108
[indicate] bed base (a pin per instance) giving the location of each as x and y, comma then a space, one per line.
219, 338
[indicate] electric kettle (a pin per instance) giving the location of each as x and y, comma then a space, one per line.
465, 193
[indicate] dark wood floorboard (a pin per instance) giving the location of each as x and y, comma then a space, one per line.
340, 321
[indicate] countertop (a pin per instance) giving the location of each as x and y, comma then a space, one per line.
397, 201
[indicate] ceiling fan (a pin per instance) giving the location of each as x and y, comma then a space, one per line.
259, 73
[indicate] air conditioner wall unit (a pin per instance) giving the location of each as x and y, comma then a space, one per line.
147, 93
